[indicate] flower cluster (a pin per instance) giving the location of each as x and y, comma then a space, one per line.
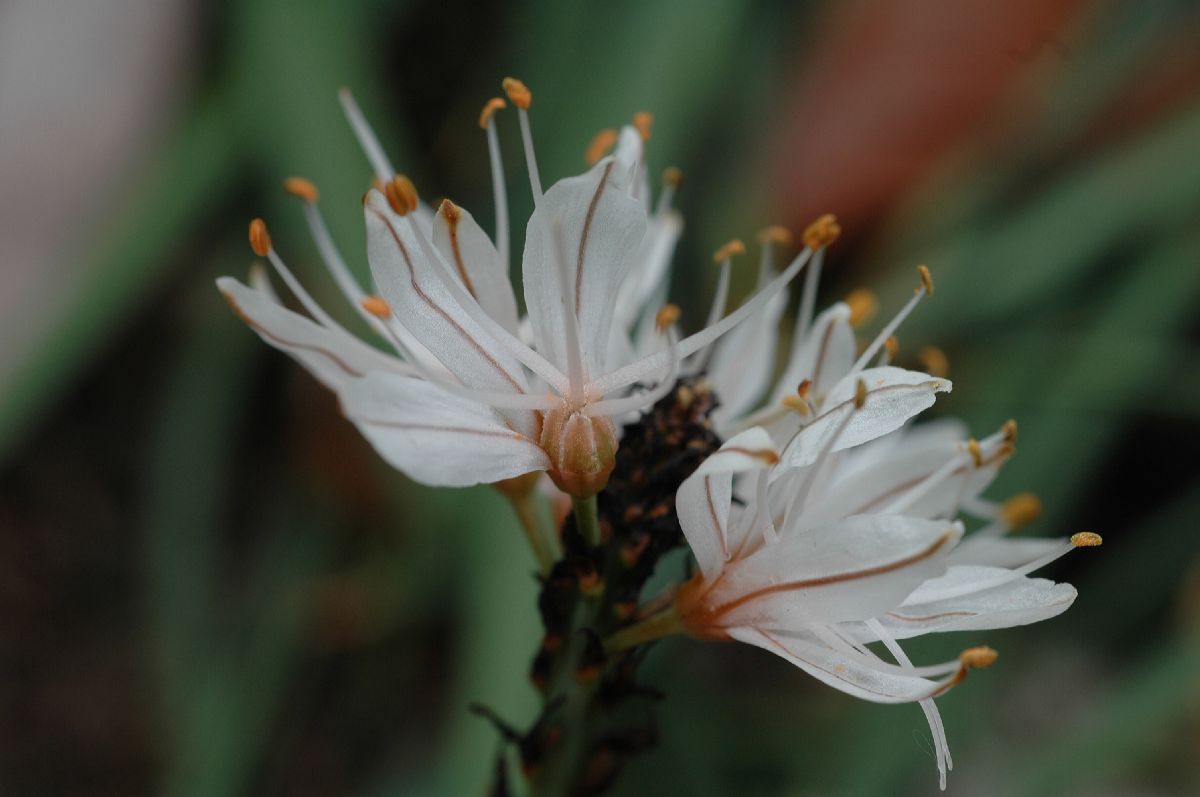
825, 524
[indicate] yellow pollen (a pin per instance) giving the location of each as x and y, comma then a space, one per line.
302, 188
489, 108
377, 307
1086, 539
860, 394
976, 452
1021, 510
926, 279
796, 405
642, 120
518, 93
672, 176
934, 360
978, 657
602, 142
822, 232
804, 388
1009, 430
734, 247
776, 234
667, 316
863, 305
892, 344
401, 195
260, 239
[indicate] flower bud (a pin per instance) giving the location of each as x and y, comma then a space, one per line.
582, 451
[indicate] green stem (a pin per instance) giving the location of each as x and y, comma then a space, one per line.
656, 626
587, 519
540, 536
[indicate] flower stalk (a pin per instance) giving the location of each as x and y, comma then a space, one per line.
587, 519
656, 626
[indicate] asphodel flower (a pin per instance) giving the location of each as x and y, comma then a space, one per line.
849, 536
470, 393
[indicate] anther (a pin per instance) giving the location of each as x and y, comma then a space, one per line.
642, 120
260, 239
775, 234
863, 305
401, 195
672, 176
892, 344
804, 388
667, 315
934, 361
1009, 431
860, 394
518, 93
926, 279
302, 188
377, 307
601, 143
822, 232
489, 108
1086, 539
734, 247
1021, 510
978, 657
976, 452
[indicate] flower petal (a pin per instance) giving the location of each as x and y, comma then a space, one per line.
602, 229
853, 570
703, 500
476, 263
824, 356
893, 396
332, 356
743, 362
436, 437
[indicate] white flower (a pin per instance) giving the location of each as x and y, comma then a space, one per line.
845, 534
473, 393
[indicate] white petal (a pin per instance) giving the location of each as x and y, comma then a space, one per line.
649, 271
743, 362
423, 305
840, 672
893, 396
703, 500
825, 356
476, 263
435, 437
852, 570
331, 356
602, 228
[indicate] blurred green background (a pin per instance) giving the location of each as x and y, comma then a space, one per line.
211, 586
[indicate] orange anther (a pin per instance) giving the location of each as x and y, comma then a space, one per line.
260, 239
489, 108
302, 188
518, 93
601, 143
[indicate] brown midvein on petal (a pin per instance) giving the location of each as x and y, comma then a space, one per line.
451, 213
412, 277
250, 322
435, 428
587, 226
837, 578
712, 513
910, 619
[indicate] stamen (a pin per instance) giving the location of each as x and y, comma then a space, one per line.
976, 452
366, 137
922, 488
575, 368
260, 239
522, 97
377, 307
1009, 430
499, 190
729, 250
813, 474
1020, 510
860, 394
302, 189
891, 348
863, 306
601, 143
401, 195
776, 234
632, 372
643, 121
925, 288
808, 301
978, 658
489, 109
1086, 539
822, 232
672, 178
620, 406
668, 315
934, 361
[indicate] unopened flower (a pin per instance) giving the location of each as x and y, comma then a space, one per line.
464, 398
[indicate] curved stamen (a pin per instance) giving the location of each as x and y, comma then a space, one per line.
620, 406
720, 299
499, 190
366, 137
521, 97
808, 301
918, 491
631, 373
925, 288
